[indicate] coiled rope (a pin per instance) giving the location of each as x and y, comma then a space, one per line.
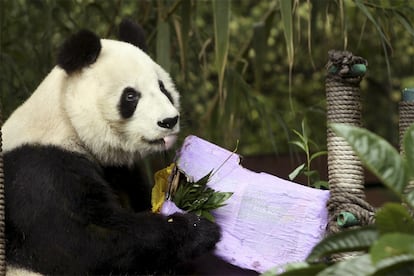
406, 112
2, 207
345, 171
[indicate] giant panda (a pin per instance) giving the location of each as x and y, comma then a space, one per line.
75, 204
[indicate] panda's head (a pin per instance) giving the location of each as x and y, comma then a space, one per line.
121, 104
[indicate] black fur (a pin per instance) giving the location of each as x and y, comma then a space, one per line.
65, 216
80, 50
128, 102
165, 91
132, 33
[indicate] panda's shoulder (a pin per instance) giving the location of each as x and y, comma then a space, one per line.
40, 162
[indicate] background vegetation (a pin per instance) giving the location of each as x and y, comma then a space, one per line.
247, 70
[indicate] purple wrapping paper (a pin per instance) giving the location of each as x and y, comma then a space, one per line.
268, 221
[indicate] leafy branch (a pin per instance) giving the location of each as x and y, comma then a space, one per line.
197, 197
304, 142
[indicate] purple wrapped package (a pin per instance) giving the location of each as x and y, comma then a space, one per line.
268, 221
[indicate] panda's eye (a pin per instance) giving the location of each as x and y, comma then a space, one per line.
128, 102
131, 95
165, 91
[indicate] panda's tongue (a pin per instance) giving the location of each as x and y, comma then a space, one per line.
169, 141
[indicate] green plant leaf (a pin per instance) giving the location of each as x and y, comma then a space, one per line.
186, 16
385, 43
296, 171
259, 46
203, 181
302, 137
163, 44
355, 266
317, 154
392, 244
369, 15
305, 130
207, 215
377, 155
197, 197
300, 144
302, 269
394, 217
395, 266
286, 13
321, 184
221, 13
346, 241
405, 22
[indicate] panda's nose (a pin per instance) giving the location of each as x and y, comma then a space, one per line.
168, 122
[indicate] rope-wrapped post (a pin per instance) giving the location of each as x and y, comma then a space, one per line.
346, 206
2, 208
406, 112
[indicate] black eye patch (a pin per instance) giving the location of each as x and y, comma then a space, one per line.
128, 102
165, 91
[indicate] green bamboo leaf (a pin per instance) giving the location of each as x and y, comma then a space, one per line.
186, 13
300, 144
377, 155
385, 43
305, 130
394, 217
405, 22
356, 266
391, 245
207, 215
163, 44
286, 13
317, 154
302, 138
204, 180
259, 45
217, 199
221, 14
346, 241
296, 171
321, 184
371, 18
311, 173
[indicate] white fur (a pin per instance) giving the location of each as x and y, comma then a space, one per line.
79, 111
17, 271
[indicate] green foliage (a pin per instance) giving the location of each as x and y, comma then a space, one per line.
380, 157
352, 240
198, 198
221, 12
304, 143
387, 247
247, 70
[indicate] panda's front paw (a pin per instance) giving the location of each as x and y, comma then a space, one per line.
195, 235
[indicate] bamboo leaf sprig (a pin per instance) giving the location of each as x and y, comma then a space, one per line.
197, 197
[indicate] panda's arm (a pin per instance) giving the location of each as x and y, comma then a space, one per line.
64, 217
130, 185
158, 242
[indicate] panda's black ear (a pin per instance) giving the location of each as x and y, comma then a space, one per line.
131, 32
78, 51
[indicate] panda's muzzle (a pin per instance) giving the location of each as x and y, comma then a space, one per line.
168, 122
165, 142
